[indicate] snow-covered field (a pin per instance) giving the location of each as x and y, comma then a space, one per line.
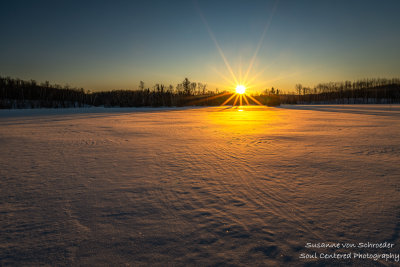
221, 186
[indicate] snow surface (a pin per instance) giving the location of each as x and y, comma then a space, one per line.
245, 186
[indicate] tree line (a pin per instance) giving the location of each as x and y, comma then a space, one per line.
17, 93
365, 91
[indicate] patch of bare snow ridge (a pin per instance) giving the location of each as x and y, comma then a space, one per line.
207, 186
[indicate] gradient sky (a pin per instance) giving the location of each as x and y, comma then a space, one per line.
104, 45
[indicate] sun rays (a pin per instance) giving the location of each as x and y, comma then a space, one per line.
240, 97
237, 84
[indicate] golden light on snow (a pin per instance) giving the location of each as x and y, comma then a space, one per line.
240, 89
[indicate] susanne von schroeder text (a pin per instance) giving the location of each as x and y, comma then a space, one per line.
350, 245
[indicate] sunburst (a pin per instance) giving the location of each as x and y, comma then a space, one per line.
238, 97
238, 86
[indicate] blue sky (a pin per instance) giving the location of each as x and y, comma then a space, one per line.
103, 45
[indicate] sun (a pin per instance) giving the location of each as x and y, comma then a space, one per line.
240, 89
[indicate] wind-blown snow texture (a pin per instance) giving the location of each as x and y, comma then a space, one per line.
208, 186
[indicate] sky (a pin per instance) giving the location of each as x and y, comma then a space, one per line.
106, 45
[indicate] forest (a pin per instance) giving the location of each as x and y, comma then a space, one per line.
17, 93
366, 91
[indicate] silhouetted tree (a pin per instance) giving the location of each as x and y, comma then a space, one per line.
186, 86
141, 85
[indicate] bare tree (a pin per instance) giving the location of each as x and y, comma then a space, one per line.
141, 85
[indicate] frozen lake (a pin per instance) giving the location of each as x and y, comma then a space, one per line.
246, 186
